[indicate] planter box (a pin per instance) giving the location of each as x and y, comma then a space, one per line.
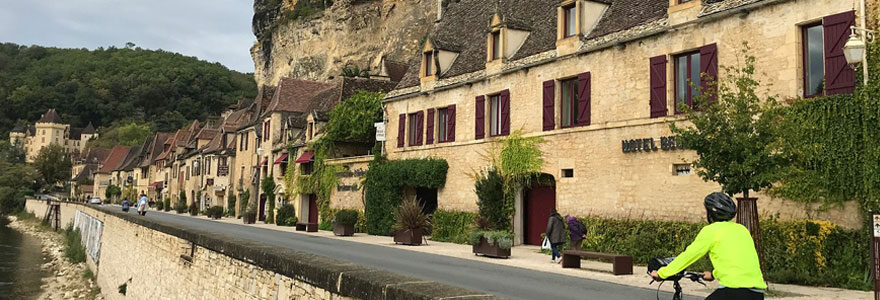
343, 230
490, 250
307, 227
408, 237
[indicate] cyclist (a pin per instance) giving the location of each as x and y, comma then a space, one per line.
731, 250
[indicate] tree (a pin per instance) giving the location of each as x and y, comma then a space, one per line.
734, 135
112, 192
124, 134
353, 119
268, 186
53, 164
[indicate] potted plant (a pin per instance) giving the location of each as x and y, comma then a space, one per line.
249, 217
193, 209
343, 223
491, 237
491, 243
214, 212
411, 223
286, 216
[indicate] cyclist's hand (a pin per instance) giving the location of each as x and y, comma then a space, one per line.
655, 276
707, 276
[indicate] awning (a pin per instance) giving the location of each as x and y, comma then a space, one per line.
260, 166
281, 159
305, 157
155, 186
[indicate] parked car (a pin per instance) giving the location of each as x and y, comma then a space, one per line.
95, 200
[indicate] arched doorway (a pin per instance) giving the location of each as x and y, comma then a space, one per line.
538, 201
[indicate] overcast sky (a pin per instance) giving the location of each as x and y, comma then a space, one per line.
212, 30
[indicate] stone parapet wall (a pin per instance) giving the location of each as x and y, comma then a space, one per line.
157, 261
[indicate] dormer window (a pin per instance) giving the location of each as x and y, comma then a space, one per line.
569, 19
496, 45
429, 64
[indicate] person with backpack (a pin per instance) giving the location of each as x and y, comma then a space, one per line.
125, 205
555, 233
577, 232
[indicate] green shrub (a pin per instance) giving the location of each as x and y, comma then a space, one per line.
797, 252
452, 226
286, 216
193, 209
230, 205
180, 207
160, 205
168, 204
384, 187
346, 217
490, 199
214, 212
74, 250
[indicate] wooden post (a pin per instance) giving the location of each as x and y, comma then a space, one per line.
747, 215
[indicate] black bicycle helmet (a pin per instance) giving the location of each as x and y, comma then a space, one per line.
719, 207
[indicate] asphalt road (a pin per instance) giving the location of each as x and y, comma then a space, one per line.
503, 281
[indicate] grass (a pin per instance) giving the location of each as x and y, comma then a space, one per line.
74, 250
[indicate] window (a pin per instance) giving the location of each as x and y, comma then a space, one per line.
681, 169
429, 64
207, 166
684, 1
814, 59
496, 45
413, 127
567, 173
569, 20
311, 130
495, 115
306, 168
188, 171
442, 124
687, 80
569, 102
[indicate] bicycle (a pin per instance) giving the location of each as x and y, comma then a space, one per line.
656, 263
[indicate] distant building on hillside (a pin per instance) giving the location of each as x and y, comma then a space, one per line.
51, 130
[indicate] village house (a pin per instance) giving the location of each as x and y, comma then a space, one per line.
104, 176
83, 172
600, 81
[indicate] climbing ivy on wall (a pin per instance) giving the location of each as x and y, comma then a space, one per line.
519, 161
268, 187
320, 182
385, 181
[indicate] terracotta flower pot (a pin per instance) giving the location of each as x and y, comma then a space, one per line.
490, 250
412, 237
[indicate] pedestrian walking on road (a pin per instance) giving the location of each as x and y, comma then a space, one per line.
555, 233
577, 232
142, 205
125, 205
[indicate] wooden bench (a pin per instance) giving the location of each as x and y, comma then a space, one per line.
307, 227
623, 264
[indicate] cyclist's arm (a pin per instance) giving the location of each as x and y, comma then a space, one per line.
696, 250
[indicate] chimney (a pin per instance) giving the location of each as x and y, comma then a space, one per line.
440, 4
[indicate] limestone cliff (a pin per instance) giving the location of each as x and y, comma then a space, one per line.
315, 39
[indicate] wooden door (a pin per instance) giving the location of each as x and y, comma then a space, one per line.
313, 209
540, 201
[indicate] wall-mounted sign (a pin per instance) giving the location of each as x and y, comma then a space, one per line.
666, 143
343, 187
350, 173
380, 131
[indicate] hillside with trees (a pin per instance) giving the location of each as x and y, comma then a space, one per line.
105, 86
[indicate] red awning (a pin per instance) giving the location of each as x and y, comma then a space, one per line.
305, 157
281, 159
260, 166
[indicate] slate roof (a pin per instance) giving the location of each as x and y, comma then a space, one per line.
75, 133
96, 155
87, 172
50, 116
395, 70
19, 128
114, 159
304, 96
133, 159
465, 24
89, 129
157, 146
293, 95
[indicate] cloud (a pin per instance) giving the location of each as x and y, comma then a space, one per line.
212, 30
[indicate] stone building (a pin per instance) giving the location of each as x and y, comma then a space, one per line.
83, 172
600, 81
104, 176
51, 130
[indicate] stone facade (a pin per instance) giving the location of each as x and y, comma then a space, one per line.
51, 130
606, 181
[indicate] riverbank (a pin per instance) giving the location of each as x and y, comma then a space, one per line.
65, 280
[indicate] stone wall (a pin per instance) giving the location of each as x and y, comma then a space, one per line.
156, 261
606, 181
349, 192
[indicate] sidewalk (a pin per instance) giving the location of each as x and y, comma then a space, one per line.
529, 257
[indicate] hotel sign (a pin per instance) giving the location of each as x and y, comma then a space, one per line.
666, 143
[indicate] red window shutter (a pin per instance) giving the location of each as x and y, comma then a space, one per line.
420, 126
549, 105
658, 86
480, 118
450, 123
583, 114
505, 112
709, 71
429, 133
401, 131
839, 77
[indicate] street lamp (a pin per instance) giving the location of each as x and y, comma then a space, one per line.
855, 48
